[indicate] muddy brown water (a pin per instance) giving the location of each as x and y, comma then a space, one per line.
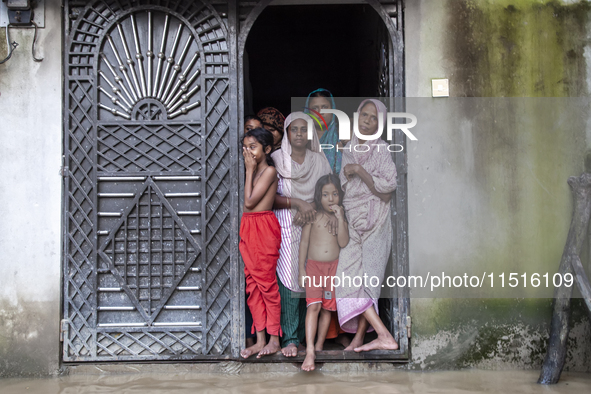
469, 381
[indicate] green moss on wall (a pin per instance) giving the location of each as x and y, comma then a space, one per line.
3, 47
488, 333
523, 151
504, 48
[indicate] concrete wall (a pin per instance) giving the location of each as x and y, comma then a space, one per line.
487, 178
30, 200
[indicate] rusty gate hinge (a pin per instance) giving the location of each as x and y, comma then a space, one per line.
64, 171
64, 328
408, 326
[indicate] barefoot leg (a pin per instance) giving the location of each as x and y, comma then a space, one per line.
359, 335
291, 350
249, 342
309, 364
323, 323
343, 339
257, 347
312, 325
271, 348
384, 341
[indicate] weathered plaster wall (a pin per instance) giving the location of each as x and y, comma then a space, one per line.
30, 200
487, 178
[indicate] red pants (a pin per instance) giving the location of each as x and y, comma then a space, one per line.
260, 238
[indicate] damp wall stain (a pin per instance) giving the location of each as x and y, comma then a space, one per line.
487, 178
3, 46
30, 199
493, 334
526, 48
28, 338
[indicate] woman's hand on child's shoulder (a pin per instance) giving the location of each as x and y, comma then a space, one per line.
307, 211
332, 225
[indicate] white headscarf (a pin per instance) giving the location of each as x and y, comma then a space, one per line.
300, 181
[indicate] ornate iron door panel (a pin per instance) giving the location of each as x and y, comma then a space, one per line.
149, 187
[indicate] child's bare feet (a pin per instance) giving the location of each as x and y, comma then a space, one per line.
249, 351
343, 339
309, 364
355, 343
271, 348
290, 350
318, 347
249, 342
379, 344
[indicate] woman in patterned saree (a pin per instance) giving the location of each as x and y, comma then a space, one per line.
368, 178
299, 166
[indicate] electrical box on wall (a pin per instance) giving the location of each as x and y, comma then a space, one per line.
440, 87
19, 13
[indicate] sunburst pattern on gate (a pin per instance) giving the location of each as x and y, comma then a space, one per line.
152, 75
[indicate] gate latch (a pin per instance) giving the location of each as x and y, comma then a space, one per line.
64, 171
408, 326
64, 328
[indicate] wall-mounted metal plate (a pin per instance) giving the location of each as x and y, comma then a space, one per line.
38, 16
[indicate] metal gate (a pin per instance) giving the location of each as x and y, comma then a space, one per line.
151, 178
150, 188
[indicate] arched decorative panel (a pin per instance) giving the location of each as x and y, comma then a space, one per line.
150, 190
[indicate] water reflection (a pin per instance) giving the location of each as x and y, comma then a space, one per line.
470, 381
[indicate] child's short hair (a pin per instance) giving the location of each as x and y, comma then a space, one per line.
327, 180
264, 137
252, 117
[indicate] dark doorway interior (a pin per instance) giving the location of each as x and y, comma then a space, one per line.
293, 50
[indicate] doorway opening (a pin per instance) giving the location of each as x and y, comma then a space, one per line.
292, 50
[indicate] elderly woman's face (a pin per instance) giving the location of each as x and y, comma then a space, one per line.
298, 133
368, 119
318, 103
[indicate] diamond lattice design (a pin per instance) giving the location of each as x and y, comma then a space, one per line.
217, 218
148, 344
150, 251
129, 147
79, 309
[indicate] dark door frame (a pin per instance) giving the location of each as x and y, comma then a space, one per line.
391, 12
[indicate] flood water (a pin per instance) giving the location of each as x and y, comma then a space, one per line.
469, 381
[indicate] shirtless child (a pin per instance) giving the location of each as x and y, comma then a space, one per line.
260, 238
322, 252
